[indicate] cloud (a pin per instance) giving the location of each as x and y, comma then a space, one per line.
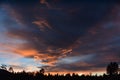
46, 3
42, 24
61, 22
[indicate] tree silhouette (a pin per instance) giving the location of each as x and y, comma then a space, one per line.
42, 71
112, 68
3, 67
11, 69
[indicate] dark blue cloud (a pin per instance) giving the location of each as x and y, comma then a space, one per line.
68, 24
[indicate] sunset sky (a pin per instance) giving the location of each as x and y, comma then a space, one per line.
60, 36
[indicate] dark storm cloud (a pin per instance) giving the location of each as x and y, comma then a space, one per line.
67, 24
54, 28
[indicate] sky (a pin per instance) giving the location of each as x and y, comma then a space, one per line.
61, 36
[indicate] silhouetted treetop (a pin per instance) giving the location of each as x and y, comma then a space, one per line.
112, 68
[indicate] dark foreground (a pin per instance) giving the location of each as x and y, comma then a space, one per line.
5, 75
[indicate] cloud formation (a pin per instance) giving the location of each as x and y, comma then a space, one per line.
52, 31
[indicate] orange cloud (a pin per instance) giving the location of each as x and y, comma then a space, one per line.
46, 59
42, 24
45, 2
27, 53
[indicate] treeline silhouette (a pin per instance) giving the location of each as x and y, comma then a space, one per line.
39, 76
112, 74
